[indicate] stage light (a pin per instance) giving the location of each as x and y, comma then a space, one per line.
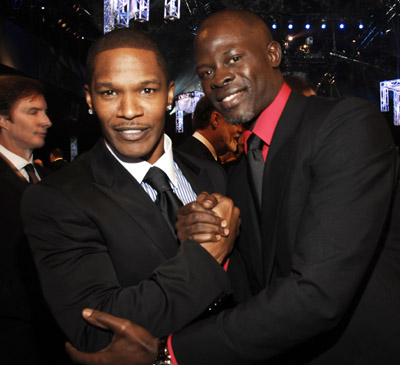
385, 88
290, 38
274, 26
323, 25
307, 26
141, 10
290, 26
360, 25
341, 26
172, 9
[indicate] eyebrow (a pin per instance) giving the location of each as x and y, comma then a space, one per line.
110, 84
34, 108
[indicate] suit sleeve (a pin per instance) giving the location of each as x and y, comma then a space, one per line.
77, 272
351, 167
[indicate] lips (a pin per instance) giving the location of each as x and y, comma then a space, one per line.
231, 100
132, 134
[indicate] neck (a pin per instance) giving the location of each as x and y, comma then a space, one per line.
12, 147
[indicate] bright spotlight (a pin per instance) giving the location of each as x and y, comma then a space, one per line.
290, 26
323, 25
307, 26
341, 26
360, 26
274, 26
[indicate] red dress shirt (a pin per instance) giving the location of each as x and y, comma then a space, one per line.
268, 119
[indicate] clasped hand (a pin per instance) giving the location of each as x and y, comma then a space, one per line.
213, 221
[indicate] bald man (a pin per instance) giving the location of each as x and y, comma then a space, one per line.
325, 285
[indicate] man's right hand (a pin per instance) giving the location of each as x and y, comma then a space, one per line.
131, 344
213, 221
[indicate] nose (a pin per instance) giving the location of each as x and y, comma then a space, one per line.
46, 122
221, 79
129, 107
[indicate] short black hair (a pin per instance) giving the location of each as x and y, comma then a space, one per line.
202, 114
57, 152
123, 38
14, 88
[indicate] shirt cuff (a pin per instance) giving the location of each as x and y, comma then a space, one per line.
225, 267
171, 351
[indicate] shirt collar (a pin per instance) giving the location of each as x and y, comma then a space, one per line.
207, 143
268, 119
18, 161
140, 168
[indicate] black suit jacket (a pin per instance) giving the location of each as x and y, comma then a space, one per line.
324, 290
194, 147
56, 165
99, 241
28, 333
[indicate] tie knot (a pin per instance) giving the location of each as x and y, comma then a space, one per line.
29, 168
254, 142
157, 179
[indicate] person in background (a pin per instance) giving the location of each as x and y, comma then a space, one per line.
28, 333
102, 230
57, 161
296, 83
320, 229
213, 136
38, 161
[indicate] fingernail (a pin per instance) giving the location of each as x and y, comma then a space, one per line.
87, 312
223, 223
226, 231
218, 237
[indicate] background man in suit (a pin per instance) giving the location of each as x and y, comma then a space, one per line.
97, 237
325, 287
26, 331
213, 136
57, 161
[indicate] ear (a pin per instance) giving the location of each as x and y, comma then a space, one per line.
88, 97
171, 93
274, 53
4, 122
214, 118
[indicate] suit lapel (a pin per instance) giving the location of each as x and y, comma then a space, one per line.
276, 173
113, 180
198, 177
12, 175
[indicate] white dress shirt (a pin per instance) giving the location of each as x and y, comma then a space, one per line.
18, 162
138, 169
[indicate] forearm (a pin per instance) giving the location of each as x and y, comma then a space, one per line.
77, 271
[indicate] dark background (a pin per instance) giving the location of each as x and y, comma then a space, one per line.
49, 40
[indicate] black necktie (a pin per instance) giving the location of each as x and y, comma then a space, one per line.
166, 200
256, 167
31, 173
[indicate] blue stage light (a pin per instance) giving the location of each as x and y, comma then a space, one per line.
307, 26
290, 26
341, 25
274, 26
323, 25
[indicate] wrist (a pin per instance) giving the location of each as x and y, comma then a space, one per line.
163, 356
